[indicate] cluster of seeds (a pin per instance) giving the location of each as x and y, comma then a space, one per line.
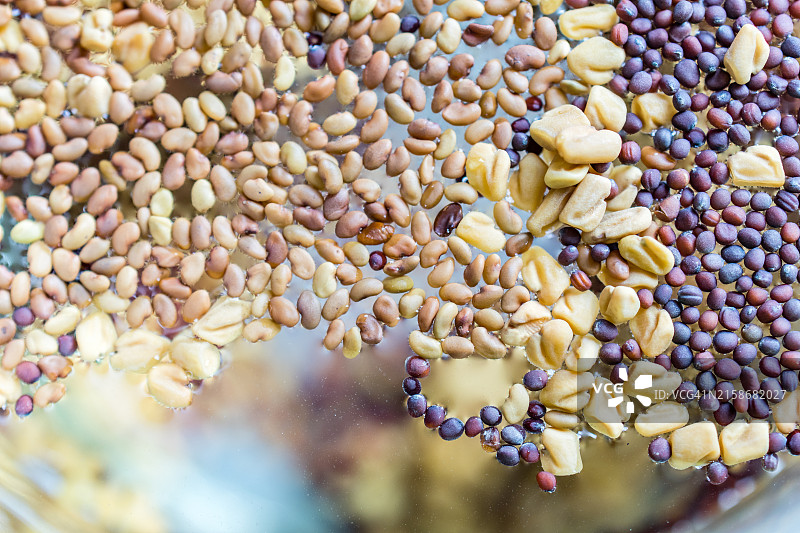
183, 174
731, 354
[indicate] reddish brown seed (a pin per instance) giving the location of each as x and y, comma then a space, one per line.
546, 481
580, 280
645, 297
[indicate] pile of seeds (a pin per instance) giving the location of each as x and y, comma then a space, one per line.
183, 174
731, 354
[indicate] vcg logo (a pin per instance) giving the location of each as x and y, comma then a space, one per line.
615, 391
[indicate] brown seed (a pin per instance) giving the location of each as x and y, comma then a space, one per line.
375, 233
386, 310
310, 310
427, 313
476, 34
524, 57
351, 224
580, 280
283, 312
371, 329
460, 66
617, 266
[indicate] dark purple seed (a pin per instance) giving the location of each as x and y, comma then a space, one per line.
749, 379
409, 24
28, 372
733, 253
747, 314
780, 327
705, 380
686, 392
513, 434
744, 284
787, 201
793, 442
491, 415
717, 473
473, 427
770, 366
412, 386
792, 340
789, 380
451, 429
758, 408
569, 236
682, 333
690, 315
777, 442
727, 369
24, 405
706, 281
725, 414
791, 47
535, 380
775, 217
521, 125
681, 357
377, 260
533, 425
417, 367
740, 403
659, 450
661, 360
600, 252
725, 341
643, 199
700, 341
518, 142
529, 452
708, 403
23, 316
604, 330
680, 148
67, 345
772, 263
434, 416
508, 455
673, 308
690, 295
617, 372
724, 391
416, 404
513, 155
791, 310
316, 56
640, 83
536, 409
632, 124
769, 462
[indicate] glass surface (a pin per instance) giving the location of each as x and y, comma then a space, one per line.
289, 438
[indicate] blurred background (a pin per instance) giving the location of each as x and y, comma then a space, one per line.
292, 438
